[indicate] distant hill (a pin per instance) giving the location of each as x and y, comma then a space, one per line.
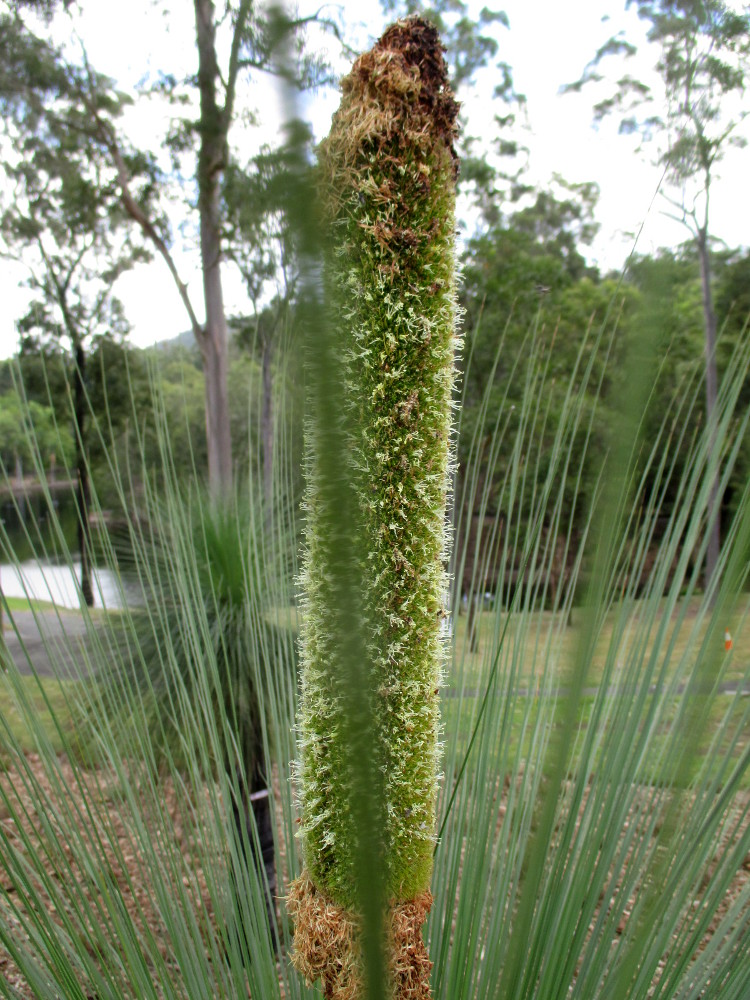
184, 340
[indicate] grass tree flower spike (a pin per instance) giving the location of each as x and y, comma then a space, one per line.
388, 172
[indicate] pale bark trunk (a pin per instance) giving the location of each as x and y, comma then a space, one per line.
709, 321
214, 352
213, 339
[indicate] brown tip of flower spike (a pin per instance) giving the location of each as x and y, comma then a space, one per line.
401, 87
416, 43
326, 945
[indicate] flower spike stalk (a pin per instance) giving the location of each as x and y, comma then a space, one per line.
387, 181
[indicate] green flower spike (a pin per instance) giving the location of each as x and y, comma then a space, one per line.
388, 172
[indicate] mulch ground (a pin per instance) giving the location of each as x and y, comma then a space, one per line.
94, 800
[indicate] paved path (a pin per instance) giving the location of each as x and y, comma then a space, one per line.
37, 640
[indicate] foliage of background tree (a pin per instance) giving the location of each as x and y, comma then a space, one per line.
54, 444
259, 243
703, 60
534, 312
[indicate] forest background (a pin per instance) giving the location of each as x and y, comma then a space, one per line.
82, 215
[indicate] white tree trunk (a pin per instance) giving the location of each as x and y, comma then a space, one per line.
213, 339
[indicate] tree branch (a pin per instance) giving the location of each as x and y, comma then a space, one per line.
106, 134
138, 215
685, 215
61, 294
234, 63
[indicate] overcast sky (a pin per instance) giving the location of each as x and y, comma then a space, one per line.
548, 45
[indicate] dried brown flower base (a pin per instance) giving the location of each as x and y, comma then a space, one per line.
326, 945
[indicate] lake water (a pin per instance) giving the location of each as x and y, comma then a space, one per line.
44, 563
47, 581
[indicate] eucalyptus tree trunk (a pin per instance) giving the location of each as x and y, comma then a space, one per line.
387, 189
212, 337
713, 527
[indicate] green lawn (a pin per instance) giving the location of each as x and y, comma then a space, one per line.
46, 700
521, 660
526, 642
24, 604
